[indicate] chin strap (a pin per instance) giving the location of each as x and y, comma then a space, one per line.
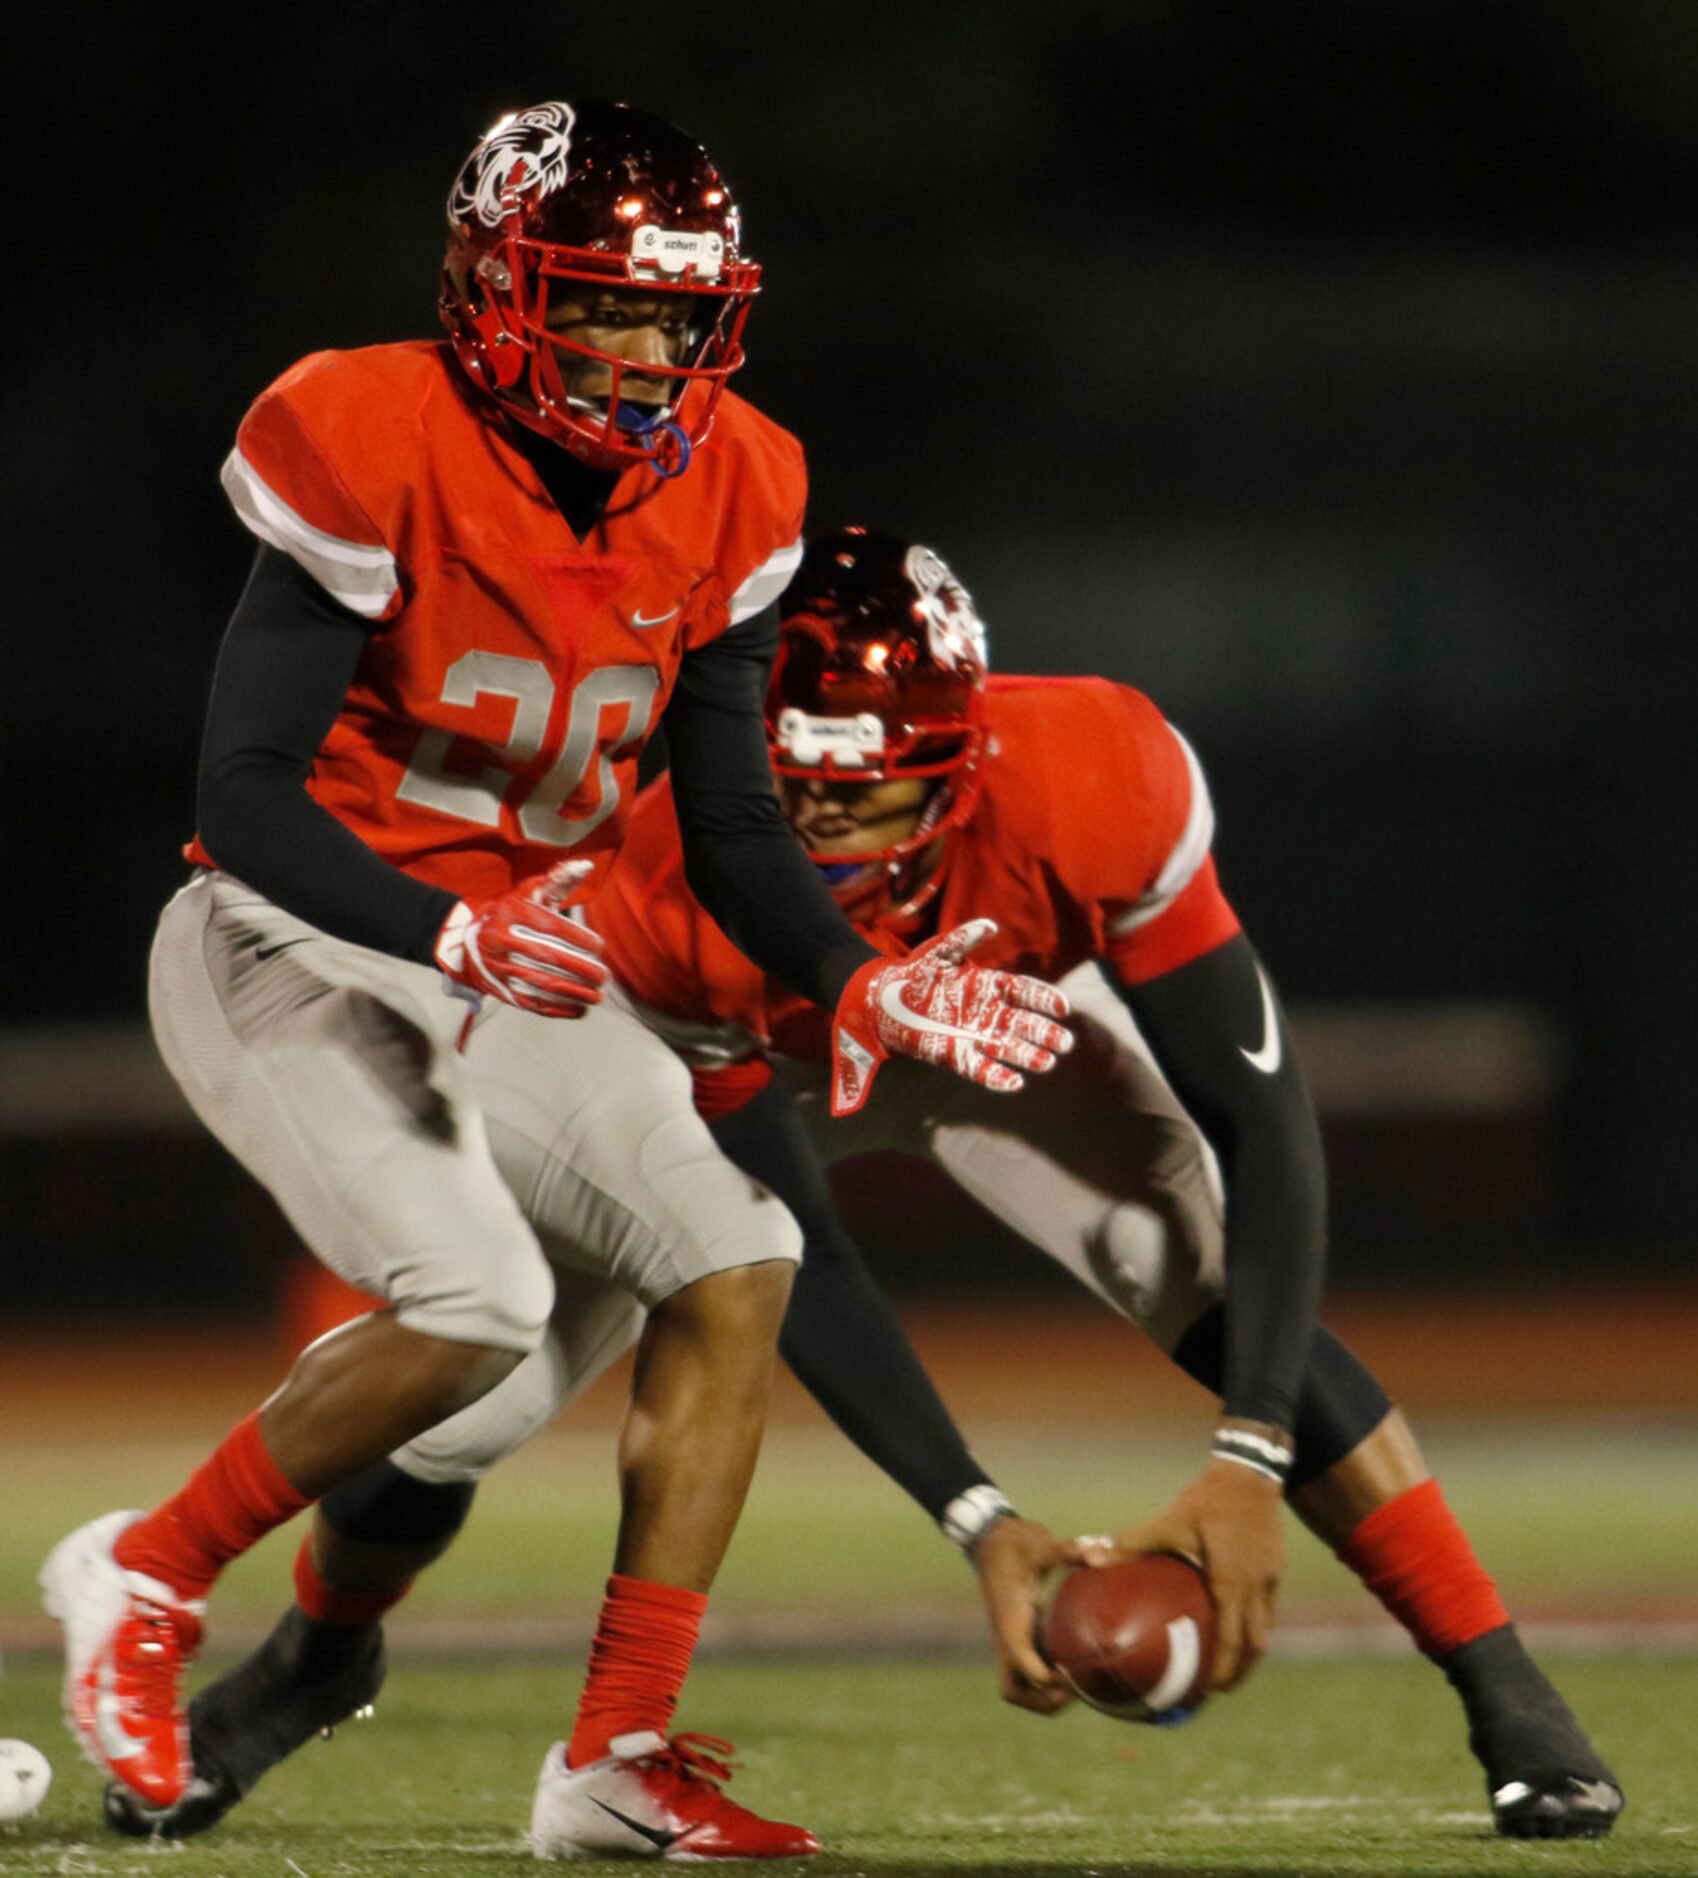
665, 441
873, 891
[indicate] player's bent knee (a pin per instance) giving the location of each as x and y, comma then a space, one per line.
466, 1444
745, 1301
506, 1312
1128, 1256
464, 1373
464, 1447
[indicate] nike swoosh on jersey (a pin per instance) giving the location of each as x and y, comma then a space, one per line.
640, 619
1267, 1058
660, 1840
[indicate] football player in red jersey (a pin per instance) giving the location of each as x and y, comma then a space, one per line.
1071, 810
488, 566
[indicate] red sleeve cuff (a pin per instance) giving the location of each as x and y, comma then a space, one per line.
1197, 922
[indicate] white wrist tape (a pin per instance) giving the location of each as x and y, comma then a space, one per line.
1271, 1459
970, 1515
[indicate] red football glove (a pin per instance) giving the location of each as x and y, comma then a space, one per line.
521, 948
985, 1025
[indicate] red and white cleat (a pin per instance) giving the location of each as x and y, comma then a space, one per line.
128, 1639
653, 1798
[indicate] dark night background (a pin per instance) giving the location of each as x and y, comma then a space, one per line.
1328, 370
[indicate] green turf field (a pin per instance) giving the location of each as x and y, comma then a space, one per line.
910, 1767
1597, 1518
1354, 1764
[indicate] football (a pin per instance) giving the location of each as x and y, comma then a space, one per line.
1135, 1640
24, 1779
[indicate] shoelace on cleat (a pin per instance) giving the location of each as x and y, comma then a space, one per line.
702, 1758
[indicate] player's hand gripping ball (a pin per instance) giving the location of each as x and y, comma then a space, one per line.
25, 1777
1136, 1639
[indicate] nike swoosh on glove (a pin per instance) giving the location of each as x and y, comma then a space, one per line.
985, 1025
520, 947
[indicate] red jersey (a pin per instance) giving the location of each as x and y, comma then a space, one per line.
513, 673
1090, 839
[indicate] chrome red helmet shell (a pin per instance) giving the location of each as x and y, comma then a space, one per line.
880, 674
599, 195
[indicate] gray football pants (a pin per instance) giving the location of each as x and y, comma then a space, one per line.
1095, 1165
535, 1191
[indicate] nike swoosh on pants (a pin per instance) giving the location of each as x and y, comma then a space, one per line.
282, 945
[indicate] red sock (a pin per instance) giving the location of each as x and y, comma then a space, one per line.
1418, 1562
231, 1502
638, 1661
329, 1604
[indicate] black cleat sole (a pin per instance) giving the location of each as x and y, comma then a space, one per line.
204, 1805
1565, 1808
1544, 1779
302, 1681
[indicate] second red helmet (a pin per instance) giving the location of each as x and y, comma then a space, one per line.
880, 674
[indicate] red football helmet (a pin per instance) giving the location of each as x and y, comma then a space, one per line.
603, 195
880, 674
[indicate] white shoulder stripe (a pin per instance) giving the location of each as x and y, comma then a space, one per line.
361, 575
766, 583
1189, 852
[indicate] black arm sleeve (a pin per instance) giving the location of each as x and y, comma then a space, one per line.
285, 666
841, 1336
1203, 1021
740, 858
